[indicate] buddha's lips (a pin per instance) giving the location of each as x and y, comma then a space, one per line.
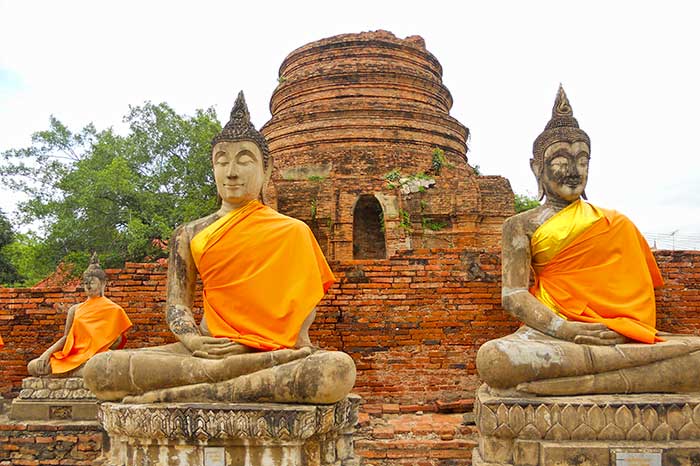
571, 182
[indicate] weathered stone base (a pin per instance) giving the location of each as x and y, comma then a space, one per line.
53, 410
590, 430
54, 398
240, 434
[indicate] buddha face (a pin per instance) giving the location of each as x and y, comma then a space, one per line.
238, 171
93, 286
565, 171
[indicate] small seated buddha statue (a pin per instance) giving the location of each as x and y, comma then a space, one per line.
590, 316
262, 275
92, 327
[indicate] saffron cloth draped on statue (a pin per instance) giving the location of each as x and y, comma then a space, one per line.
97, 323
262, 274
593, 265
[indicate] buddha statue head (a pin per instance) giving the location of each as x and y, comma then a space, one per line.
241, 158
94, 278
560, 155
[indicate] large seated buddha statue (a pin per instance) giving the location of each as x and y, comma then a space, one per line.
262, 275
589, 318
92, 327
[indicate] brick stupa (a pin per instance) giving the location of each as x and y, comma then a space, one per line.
367, 154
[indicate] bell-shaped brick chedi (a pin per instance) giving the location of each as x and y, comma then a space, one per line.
365, 151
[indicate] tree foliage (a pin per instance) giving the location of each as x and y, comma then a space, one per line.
118, 195
8, 272
525, 202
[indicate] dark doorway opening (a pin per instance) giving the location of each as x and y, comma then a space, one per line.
368, 229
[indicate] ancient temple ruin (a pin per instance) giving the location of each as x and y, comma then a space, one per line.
367, 154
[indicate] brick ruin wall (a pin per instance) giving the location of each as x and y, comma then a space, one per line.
76, 444
412, 323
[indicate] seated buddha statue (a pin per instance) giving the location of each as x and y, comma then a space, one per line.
92, 327
589, 317
262, 275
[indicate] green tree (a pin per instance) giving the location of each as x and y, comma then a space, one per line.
525, 202
118, 195
8, 272
26, 254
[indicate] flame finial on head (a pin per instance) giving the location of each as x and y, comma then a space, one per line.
239, 112
239, 128
562, 107
562, 114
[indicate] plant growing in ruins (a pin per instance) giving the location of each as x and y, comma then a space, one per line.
405, 220
393, 178
434, 225
316, 178
314, 207
439, 161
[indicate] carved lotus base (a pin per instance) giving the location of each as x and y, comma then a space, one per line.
54, 388
239, 434
653, 429
54, 398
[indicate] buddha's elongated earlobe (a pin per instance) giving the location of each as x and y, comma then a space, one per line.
536, 168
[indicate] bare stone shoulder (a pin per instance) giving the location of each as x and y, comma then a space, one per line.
526, 222
190, 229
72, 308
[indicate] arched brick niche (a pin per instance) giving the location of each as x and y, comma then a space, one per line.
368, 239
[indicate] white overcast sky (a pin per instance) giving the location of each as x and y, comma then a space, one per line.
631, 70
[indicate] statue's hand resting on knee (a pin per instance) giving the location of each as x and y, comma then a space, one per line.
588, 333
212, 347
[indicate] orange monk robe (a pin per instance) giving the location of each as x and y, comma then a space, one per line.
262, 274
593, 265
2, 343
97, 323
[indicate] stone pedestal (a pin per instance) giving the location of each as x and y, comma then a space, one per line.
50, 398
238, 434
648, 429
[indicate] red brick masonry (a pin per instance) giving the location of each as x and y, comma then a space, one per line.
49, 443
412, 323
